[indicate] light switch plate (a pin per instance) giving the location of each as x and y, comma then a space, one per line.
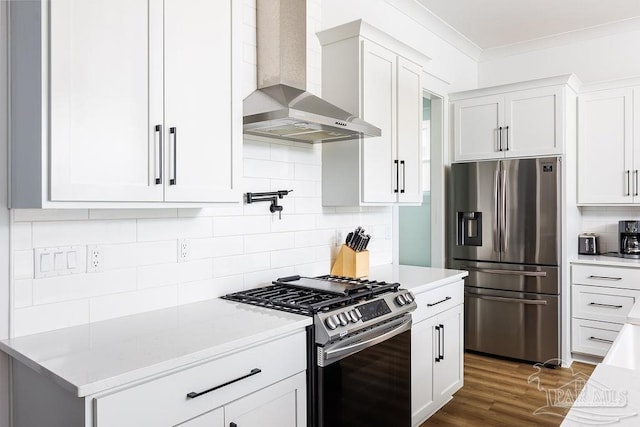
58, 261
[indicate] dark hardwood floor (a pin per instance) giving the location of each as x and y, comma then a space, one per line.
496, 392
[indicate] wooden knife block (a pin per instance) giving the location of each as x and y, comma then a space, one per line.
350, 263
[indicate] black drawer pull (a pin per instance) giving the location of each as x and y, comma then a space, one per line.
253, 372
597, 304
439, 302
605, 278
601, 340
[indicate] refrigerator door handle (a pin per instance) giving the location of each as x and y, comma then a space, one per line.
503, 299
505, 213
496, 209
506, 272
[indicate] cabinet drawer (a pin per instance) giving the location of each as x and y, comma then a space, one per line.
594, 338
437, 300
164, 401
603, 304
612, 277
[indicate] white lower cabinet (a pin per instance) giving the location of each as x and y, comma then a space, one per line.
601, 299
436, 350
276, 405
263, 385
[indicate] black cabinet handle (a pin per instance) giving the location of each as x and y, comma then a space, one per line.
442, 330
404, 176
233, 425
173, 131
395, 162
628, 173
438, 331
507, 139
635, 187
597, 304
160, 165
439, 302
500, 138
194, 394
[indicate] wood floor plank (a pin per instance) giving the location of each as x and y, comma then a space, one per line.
496, 392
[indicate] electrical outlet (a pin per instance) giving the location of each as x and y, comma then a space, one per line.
184, 250
94, 258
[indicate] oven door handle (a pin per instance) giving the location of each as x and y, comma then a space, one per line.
333, 354
504, 299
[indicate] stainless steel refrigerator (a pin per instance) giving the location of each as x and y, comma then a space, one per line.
504, 228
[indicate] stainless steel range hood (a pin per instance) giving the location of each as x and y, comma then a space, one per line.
281, 107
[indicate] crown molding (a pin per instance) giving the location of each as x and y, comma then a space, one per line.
432, 23
612, 28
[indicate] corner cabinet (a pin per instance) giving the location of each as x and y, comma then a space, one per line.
373, 76
608, 146
436, 349
127, 102
519, 120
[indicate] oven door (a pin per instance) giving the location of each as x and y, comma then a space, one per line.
365, 380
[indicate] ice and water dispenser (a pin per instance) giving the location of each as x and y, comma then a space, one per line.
469, 229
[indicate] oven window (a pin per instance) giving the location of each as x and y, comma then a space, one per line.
369, 388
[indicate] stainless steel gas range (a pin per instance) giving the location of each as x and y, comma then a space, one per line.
358, 348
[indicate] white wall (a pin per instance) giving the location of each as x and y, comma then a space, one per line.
609, 57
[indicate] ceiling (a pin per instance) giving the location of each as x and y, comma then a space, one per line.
495, 23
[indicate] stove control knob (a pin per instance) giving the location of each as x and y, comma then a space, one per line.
331, 322
400, 300
344, 320
353, 316
358, 313
409, 297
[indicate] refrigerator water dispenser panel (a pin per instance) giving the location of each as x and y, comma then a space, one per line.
470, 228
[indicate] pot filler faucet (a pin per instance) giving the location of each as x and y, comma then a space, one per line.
271, 196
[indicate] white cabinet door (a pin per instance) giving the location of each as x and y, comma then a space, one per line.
448, 371
214, 418
198, 101
380, 175
533, 123
422, 359
409, 131
282, 404
476, 134
104, 60
605, 146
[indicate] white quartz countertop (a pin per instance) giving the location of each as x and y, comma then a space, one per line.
611, 396
91, 358
607, 261
416, 279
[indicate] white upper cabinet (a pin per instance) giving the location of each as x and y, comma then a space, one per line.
519, 120
135, 104
375, 77
607, 153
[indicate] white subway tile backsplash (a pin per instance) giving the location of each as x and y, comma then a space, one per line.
315, 238
23, 264
139, 254
241, 225
126, 303
300, 188
336, 221
207, 289
169, 274
291, 257
307, 172
181, 228
268, 242
292, 222
214, 247
219, 209
256, 150
21, 236
238, 264
313, 269
40, 318
82, 286
67, 233
23, 293
309, 154
268, 169
307, 205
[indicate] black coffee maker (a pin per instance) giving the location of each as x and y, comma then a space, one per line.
629, 239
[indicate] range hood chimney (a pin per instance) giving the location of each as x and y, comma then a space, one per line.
281, 107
